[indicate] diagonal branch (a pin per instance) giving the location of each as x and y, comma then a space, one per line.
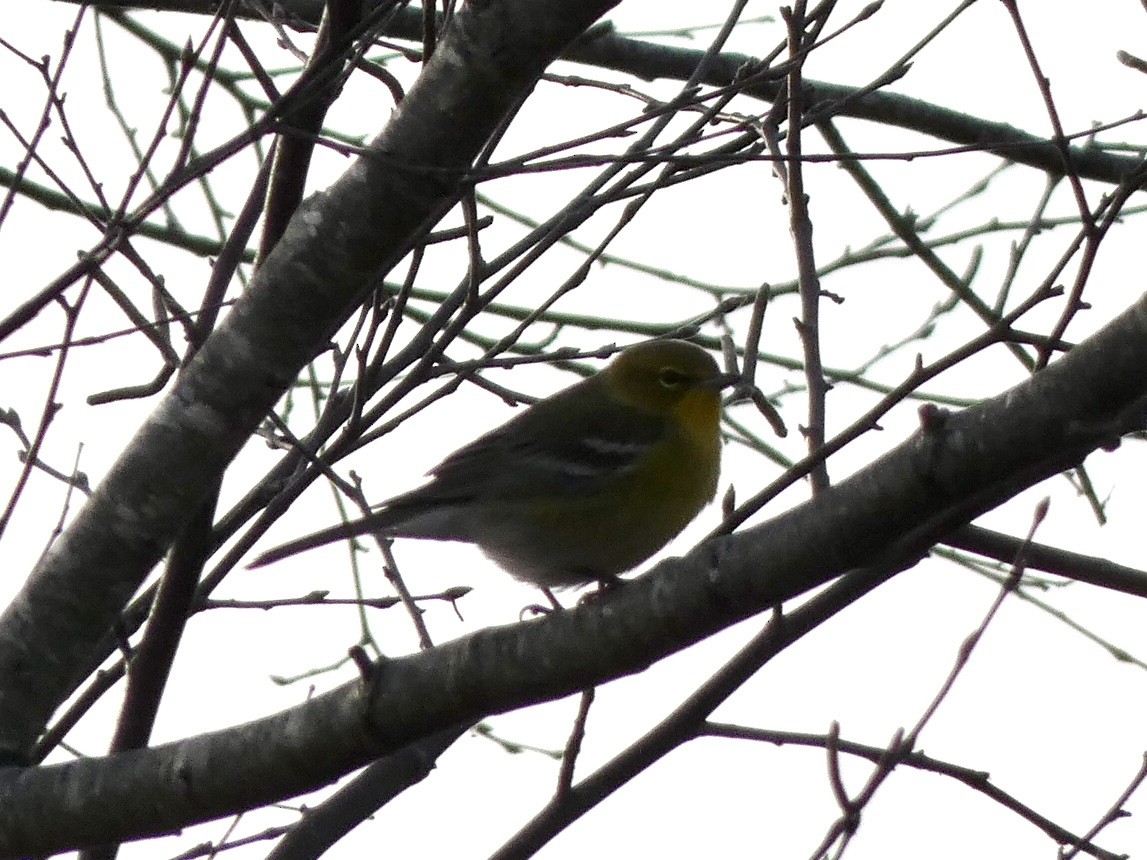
334, 249
956, 467
605, 48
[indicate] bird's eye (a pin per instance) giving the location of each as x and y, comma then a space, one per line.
671, 378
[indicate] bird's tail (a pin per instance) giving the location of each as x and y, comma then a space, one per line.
375, 522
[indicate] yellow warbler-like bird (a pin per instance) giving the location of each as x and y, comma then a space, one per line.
583, 485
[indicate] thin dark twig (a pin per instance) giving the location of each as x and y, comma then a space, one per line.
977, 780
902, 744
51, 407
868, 420
573, 745
800, 225
1114, 813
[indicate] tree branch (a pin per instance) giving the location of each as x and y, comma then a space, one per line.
334, 249
605, 48
956, 467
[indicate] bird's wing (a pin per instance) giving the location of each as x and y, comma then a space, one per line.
530, 456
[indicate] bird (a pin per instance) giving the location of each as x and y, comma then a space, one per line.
583, 485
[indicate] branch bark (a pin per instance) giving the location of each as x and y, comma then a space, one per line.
956, 467
339, 242
605, 48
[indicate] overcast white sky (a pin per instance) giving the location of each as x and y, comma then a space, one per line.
1056, 720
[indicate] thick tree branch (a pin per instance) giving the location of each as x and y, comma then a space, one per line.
605, 48
955, 468
334, 249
